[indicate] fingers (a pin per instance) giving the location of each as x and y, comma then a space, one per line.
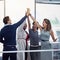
28, 12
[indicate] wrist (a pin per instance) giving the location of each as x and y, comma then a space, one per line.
26, 15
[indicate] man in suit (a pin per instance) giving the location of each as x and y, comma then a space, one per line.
8, 37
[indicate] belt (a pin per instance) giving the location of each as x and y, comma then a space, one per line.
10, 45
44, 40
34, 45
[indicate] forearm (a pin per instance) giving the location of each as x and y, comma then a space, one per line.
32, 18
29, 25
20, 22
1, 38
52, 35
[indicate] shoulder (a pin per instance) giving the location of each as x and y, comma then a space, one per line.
2, 28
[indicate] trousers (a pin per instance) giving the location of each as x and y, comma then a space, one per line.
12, 56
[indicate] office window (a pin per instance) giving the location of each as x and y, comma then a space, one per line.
1, 13
1, 22
50, 11
16, 8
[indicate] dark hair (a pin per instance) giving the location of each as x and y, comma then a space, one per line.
6, 19
48, 24
33, 24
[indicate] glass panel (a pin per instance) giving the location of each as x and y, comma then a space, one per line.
1, 22
16, 8
1, 13
51, 12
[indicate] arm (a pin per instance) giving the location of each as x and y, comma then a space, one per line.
29, 25
20, 22
52, 35
34, 20
1, 38
27, 38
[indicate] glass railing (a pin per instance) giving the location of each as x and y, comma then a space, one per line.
54, 52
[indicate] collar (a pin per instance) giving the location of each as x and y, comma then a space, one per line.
7, 24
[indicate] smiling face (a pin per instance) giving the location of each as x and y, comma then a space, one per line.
46, 24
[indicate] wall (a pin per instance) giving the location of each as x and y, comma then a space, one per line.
15, 9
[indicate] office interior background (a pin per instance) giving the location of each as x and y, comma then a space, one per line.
40, 9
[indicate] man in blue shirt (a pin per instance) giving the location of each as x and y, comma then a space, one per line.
8, 37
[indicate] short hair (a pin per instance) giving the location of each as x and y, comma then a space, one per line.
33, 24
6, 19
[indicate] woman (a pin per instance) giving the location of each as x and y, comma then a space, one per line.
21, 41
46, 32
34, 43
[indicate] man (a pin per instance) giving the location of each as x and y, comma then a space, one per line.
8, 37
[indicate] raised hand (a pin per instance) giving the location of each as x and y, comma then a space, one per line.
28, 12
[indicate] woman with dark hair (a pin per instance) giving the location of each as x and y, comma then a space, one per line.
46, 32
34, 43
